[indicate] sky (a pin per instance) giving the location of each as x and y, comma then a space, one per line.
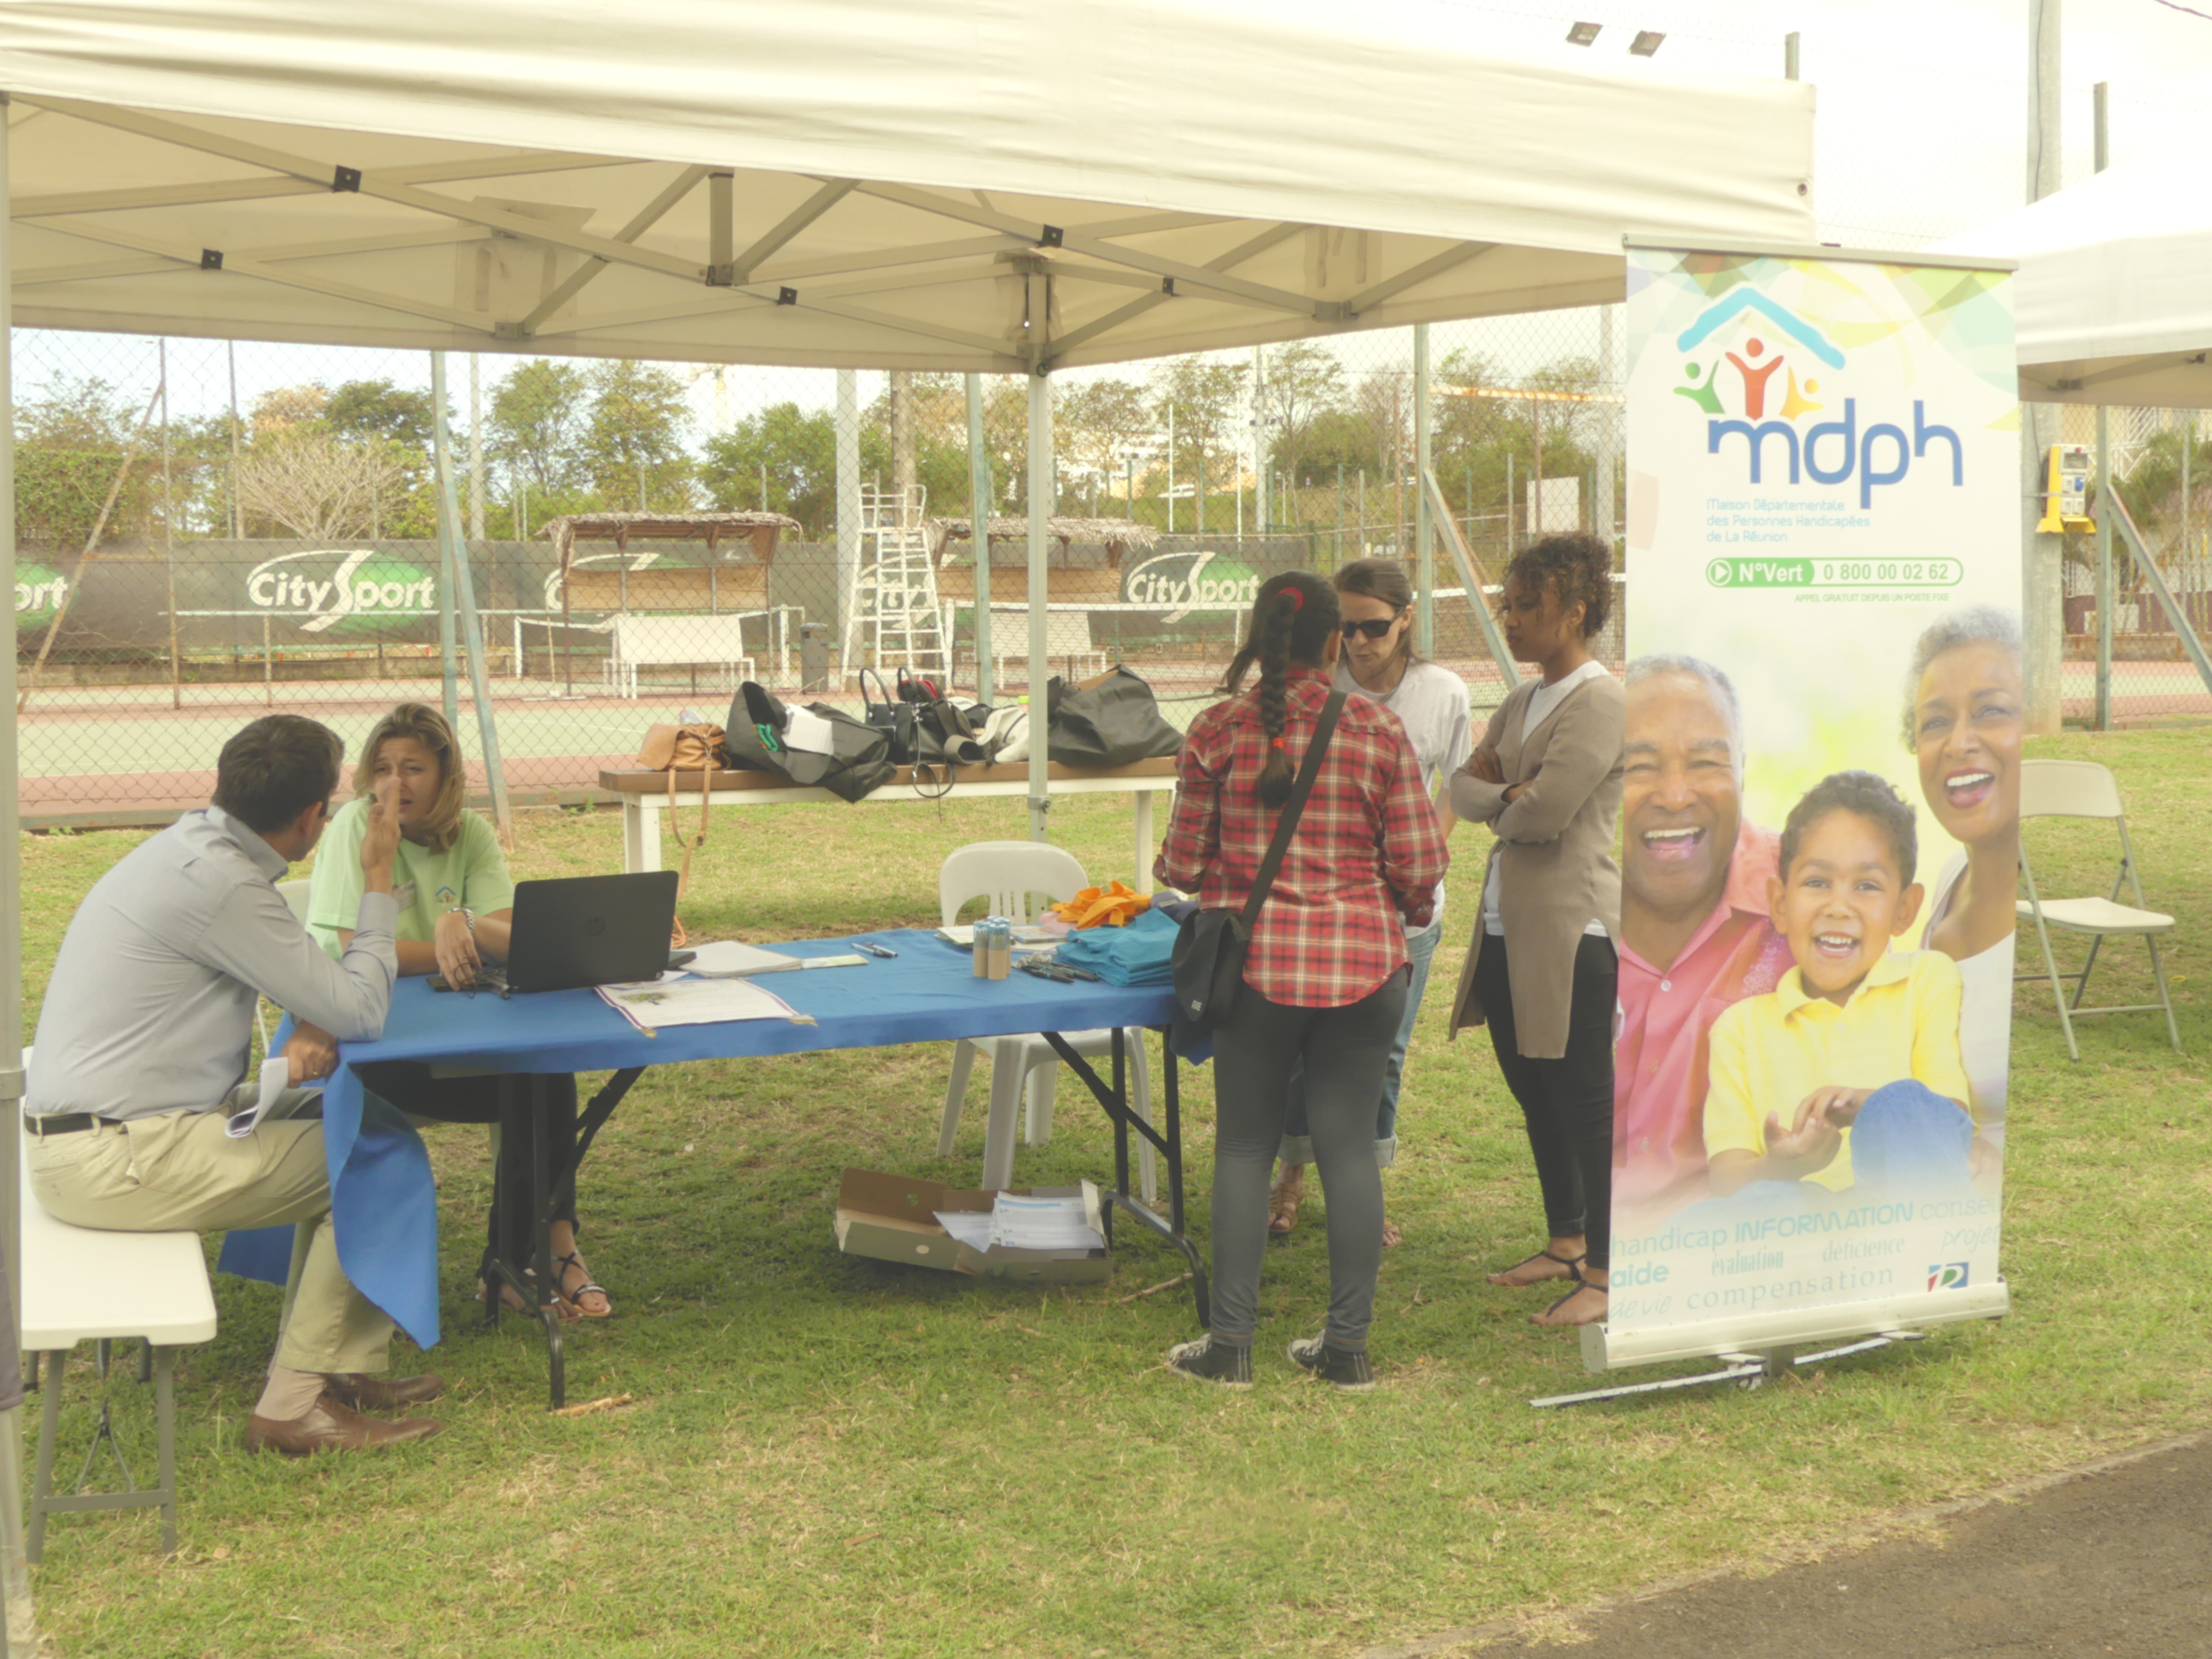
1921, 133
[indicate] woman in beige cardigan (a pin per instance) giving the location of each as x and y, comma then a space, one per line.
1541, 971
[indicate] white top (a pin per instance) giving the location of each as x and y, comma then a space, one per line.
1984, 1008
1430, 703
1542, 703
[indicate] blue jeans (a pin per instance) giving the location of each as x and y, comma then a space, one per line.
1297, 1143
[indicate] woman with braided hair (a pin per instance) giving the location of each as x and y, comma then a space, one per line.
1325, 973
1541, 971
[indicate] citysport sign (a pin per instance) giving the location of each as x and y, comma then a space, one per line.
1176, 584
39, 594
1823, 768
341, 590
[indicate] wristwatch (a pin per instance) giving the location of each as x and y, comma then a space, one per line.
468, 917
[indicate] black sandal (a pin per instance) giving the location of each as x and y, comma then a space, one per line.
1573, 1265
1544, 1321
562, 1264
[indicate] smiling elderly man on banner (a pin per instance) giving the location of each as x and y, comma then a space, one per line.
1695, 935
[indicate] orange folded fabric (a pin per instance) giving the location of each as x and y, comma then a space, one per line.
1111, 906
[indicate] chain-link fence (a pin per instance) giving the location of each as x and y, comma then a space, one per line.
208, 530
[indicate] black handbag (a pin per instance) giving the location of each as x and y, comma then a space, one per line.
893, 717
1113, 720
1208, 963
859, 758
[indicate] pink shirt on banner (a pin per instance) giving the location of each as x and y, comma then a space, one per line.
1659, 1064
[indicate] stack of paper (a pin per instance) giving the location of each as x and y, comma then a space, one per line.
657, 1003
1017, 1223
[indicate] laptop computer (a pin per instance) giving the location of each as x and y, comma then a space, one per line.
582, 931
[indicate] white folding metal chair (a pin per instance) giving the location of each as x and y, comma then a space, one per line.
2083, 789
1007, 873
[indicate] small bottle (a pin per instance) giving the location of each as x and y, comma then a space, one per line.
983, 948
1002, 948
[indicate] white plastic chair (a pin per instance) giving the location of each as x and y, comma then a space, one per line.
1007, 873
2083, 789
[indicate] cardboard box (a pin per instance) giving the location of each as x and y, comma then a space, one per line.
893, 1218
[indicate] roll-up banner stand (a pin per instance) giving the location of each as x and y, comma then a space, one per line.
1821, 822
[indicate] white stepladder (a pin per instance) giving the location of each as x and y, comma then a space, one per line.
894, 615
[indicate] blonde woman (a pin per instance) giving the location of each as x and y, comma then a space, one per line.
455, 900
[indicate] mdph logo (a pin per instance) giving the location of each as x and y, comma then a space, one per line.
1760, 340
1948, 1276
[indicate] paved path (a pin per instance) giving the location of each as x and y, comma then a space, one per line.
2114, 1558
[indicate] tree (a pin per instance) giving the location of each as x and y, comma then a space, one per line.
1201, 396
68, 447
1098, 422
1304, 382
316, 486
633, 447
537, 424
371, 411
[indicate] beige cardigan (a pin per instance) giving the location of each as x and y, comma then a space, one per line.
1554, 854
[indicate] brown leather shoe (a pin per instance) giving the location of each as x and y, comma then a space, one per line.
382, 1394
332, 1426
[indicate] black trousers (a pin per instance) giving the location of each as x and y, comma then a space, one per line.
408, 1085
1567, 1101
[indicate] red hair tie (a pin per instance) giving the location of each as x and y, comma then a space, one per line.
1296, 595
1276, 743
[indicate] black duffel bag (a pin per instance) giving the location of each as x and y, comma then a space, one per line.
1112, 720
1208, 963
859, 760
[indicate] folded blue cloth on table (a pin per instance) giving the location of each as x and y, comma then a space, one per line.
1136, 954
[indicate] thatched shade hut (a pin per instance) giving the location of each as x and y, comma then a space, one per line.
1010, 576
742, 586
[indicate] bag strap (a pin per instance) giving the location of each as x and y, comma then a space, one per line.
1293, 809
692, 842
868, 701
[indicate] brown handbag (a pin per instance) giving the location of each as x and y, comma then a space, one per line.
679, 749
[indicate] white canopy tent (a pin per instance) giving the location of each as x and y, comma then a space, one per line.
980, 185
2112, 295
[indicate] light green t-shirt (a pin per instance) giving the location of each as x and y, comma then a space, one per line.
472, 871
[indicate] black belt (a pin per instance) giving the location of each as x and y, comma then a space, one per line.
44, 1125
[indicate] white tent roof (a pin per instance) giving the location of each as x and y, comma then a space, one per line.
2113, 299
977, 185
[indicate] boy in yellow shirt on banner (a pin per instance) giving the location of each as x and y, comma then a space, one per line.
1847, 1074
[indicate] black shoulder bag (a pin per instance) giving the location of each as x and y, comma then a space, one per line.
1208, 963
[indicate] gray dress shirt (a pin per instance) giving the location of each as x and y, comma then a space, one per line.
150, 1008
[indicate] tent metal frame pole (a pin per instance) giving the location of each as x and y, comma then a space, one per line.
464, 595
979, 534
1470, 575
1424, 548
2154, 578
15, 1574
1040, 460
2105, 595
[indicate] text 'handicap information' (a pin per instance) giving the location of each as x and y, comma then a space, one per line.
1823, 514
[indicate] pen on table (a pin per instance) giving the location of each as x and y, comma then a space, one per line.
873, 949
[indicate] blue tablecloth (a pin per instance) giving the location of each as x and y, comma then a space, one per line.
382, 1200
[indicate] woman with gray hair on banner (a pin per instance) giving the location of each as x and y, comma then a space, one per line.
1964, 704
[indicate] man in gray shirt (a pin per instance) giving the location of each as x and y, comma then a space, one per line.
144, 1035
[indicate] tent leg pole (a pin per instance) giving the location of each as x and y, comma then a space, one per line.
464, 594
979, 534
1424, 624
1040, 447
15, 1575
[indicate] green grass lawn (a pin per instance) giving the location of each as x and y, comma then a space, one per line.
826, 1455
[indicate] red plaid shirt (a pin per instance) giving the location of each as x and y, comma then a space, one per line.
1368, 851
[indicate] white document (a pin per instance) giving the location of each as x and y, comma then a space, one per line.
726, 957
1028, 936
1049, 1224
654, 1004
969, 1227
809, 732
251, 1105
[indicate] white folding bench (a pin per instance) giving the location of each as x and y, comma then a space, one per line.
678, 641
83, 1284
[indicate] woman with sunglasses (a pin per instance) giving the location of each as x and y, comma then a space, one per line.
1378, 663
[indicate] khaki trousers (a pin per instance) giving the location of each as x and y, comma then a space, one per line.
180, 1170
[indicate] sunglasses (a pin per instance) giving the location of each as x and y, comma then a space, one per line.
1370, 630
